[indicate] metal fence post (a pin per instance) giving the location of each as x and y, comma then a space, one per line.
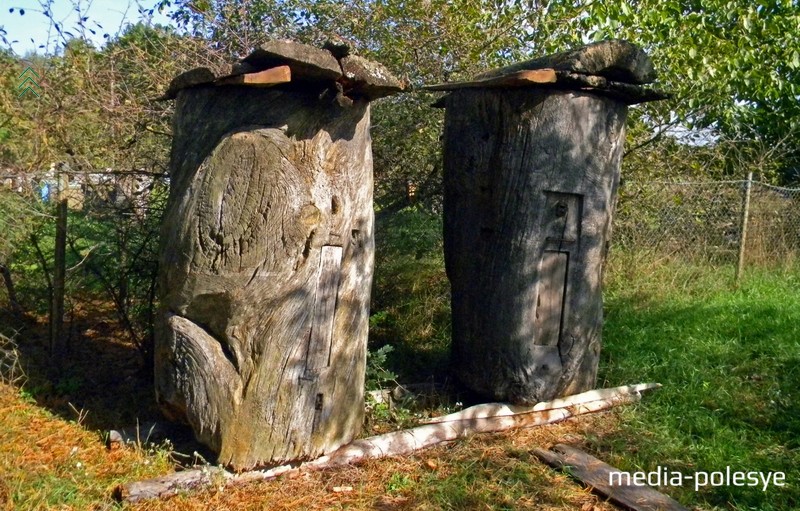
748, 186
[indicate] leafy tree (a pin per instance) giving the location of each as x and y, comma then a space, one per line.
733, 65
422, 41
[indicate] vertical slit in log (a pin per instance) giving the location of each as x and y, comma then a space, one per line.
551, 298
319, 402
319, 344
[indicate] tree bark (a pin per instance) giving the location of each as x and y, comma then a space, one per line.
530, 178
266, 268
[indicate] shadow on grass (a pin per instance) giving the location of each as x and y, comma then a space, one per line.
100, 382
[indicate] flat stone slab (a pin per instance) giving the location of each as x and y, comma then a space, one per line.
369, 78
613, 68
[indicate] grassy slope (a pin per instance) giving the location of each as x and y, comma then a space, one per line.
728, 359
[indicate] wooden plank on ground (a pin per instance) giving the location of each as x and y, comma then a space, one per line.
595, 473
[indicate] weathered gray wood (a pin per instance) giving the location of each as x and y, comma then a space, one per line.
367, 78
307, 63
530, 177
465, 423
559, 80
595, 473
614, 59
550, 302
319, 346
277, 62
516, 79
266, 268
187, 79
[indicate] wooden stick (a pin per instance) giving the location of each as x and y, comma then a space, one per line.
380, 446
265, 78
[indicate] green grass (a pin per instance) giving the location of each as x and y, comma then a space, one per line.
728, 357
411, 296
729, 360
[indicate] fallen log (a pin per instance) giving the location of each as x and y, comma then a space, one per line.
505, 409
389, 444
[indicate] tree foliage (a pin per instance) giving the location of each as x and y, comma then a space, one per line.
732, 65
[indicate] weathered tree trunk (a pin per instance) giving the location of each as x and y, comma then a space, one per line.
267, 267
530, 176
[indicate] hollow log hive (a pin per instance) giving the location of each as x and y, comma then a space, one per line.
267, 253
531, 165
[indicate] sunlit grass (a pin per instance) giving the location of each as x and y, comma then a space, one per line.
729, 359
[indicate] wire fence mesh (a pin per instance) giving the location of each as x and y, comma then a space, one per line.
112, 239
109, 250
707, 221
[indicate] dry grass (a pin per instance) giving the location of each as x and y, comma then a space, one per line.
53, 455
49, 462
483, 472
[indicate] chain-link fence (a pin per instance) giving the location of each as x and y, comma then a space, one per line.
719, 222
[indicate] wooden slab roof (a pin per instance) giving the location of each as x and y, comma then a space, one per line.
280, 62
614, 68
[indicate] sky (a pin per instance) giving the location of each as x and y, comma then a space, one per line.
31, 29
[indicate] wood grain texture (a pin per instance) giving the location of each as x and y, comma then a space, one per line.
516, 79
595, 473
614, 59
266, 268
550, 79
530, 178
265, 78
307, 62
